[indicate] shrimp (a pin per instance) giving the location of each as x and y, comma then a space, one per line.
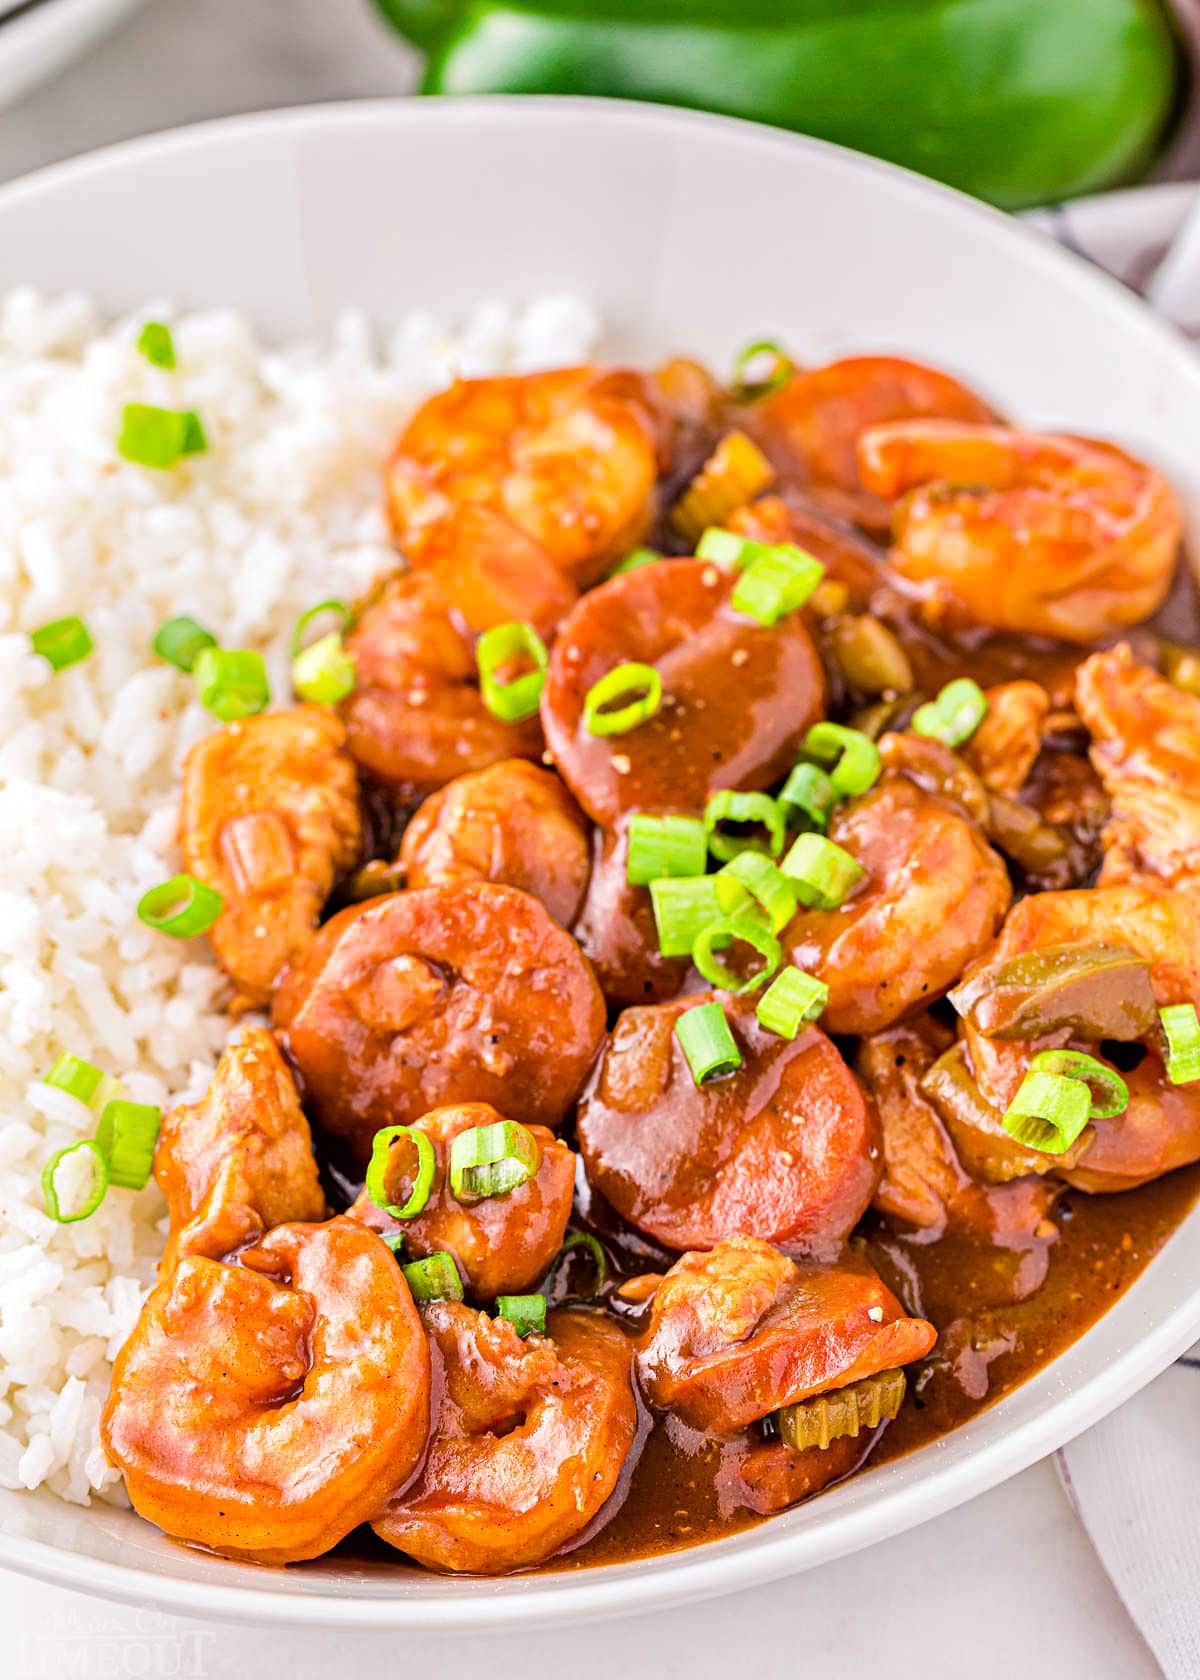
528, 1446
742, 1330
1146, 749
1160, 1128
240, 1160
502, 1244
264, 1409
1004, 748
442, 995
933, 897
511, 823
269, 818
737, 700
569, 459
416, 718
926, 1190
784, 1149
815, 422
1024, 531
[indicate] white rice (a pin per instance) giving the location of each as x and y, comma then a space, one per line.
284, 510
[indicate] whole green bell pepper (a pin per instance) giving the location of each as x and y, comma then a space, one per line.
1017, 101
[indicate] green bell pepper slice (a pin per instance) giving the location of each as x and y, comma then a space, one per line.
1016, 101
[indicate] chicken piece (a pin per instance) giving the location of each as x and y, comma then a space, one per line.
269, 818
738, 1332
239, 1161
510, 823
502, 1244
528, 1444
1003, 749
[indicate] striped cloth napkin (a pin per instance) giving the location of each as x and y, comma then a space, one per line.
1134, 1480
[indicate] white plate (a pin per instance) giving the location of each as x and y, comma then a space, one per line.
689, 233
38, 37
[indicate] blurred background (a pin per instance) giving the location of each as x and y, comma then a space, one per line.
1023, 102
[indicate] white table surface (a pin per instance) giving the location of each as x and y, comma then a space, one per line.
1008, 1585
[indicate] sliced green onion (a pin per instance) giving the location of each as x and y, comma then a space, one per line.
631, 563
585, 1240
852, 756
324, 672
435, 1278
792, 999
749, 875
683, 906
1048, 1112
726, 548
526, 1313
707, 1043
824, 872
64, 642
759, 369
506, 644
758, 808
719, 936
954, 716
182, 907
159, 437
623, 698
394, 1240
339, 609
422, 1178
96, 1190
79, 1079
180, 640
492, 1160
810, 792
1109, 1092
156, 344
1182, 1031
231, 683
662, 846
776, 583
126, 1135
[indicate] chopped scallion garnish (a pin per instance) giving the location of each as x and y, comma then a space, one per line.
632, 562
231, 683
809, 792
726, 548
954, 716
127, 1135
324, 672
337, 608
64, 642
759, 369
747, 929
792, 999
181, 640
492, 1160
707, 1043
852, 758
623, 698
90, 1198
776, 583
744, 809
750, 876
159, 437
381, 1165
156, 344
1060, 1093
586, 1241
435, 1278
526, 1313
683, 906
1182, 1031
662, 846
825, 874
182, 907
81, 1080
506, 645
